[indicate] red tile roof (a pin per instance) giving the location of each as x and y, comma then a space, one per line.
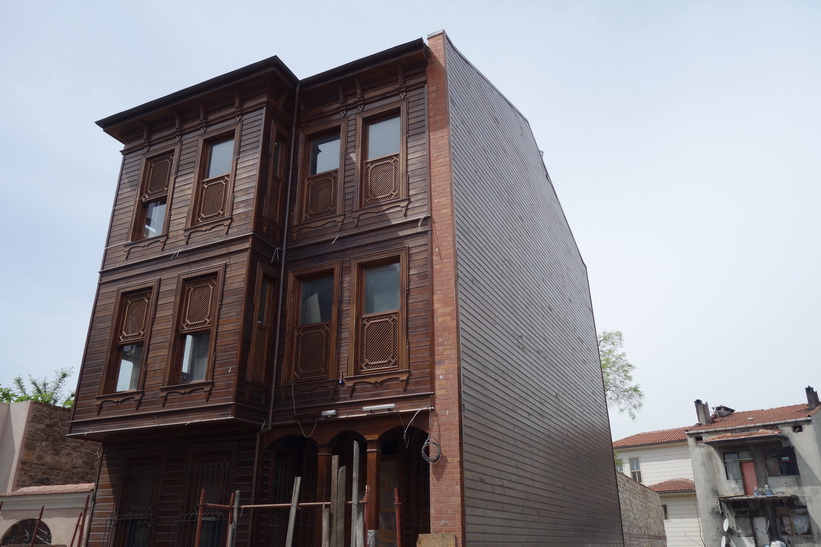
745, 435
52, 489
662, 436
750, 418
674, 485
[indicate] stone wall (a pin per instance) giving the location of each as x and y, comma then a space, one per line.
47, 456
641, 514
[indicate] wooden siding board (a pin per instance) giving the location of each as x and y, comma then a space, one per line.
527, 335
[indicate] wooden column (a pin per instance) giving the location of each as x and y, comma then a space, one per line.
323, 470
372, 509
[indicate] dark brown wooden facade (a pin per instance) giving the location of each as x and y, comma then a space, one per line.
270, 276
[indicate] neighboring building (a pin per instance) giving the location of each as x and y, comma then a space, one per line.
661, 460
642, 514
41, 469
368, 262
758, 471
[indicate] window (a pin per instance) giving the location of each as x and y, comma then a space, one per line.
135, 512
378, 331
152, 205
312, 323
733, 461
664, 510
382, 157
277, 162
781, 461
635, 469
794, 521
132, 327
213, 190
263, 328
197, 317
209, 474
321, 187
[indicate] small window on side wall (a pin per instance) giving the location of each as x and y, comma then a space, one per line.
382, 152
195, 331
635, 469
213, 191
127, 362
152, 205
320, 188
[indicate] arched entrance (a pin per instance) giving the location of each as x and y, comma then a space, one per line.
292, 457
404, 477
22, 531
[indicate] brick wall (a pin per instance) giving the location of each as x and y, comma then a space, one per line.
47, 456
446, 481
641, 514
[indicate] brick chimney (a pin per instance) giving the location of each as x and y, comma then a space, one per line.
703, 412
812, 398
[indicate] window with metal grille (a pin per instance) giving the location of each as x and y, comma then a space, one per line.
213, 190
132, 523
378, 331
195, 330
212, 474
312, 322
320, 191
152, 205
132, 328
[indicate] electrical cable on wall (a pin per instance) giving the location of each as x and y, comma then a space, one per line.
293, 402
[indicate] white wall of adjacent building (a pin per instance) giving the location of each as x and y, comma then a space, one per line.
658, 463
682, 524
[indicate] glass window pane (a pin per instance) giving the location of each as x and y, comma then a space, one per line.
263, 302
277, 158
383, 138
219, 161
316, 302
324, 154
195, 357
154, 218
131, 358
382, 288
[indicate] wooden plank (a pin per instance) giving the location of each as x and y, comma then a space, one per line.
289, 539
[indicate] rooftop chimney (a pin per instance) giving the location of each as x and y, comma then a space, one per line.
812, 398
703, 412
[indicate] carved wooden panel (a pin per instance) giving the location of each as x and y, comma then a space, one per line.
256, 367
213, 199
379, 342
381, 181
312, 351
157, 176
198, 308
320, 195
135, 317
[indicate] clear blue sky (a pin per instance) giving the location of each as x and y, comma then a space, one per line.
683, 139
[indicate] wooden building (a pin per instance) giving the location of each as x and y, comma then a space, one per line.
369, 263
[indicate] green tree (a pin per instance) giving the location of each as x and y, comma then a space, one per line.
619, 388
44, 391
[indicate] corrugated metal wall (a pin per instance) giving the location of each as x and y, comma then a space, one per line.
537, 459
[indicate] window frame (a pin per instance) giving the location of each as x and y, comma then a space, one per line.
737, 461
635, 471
119, 534
363, 121
142, 202
111, 373
268, 325
276, 177
173, 376
192, 487
358, 267
778, 454
205, 146
295, 279
305, 141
